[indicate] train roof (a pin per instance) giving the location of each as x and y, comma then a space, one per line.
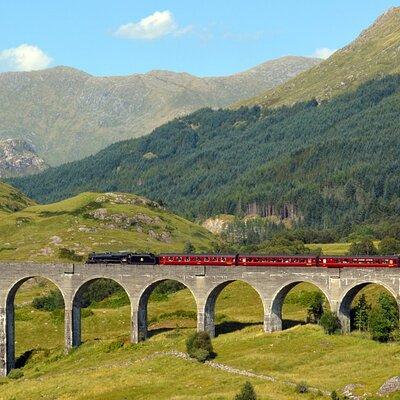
360, 257
196, 255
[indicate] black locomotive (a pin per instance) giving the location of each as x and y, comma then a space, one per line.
122, 258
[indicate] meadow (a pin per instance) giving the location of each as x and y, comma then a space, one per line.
107, 366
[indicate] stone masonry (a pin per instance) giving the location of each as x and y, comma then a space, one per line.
205, 283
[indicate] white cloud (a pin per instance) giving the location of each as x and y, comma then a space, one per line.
24, 58
156, 25
323, 52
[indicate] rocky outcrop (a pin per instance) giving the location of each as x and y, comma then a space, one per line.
390, 386
18, 157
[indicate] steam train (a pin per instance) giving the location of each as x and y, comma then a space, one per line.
251, 260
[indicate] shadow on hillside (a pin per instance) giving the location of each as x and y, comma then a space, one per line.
157, 331
290, 323
23, 358
232, 326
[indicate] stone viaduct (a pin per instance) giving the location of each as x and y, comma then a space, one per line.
205, 283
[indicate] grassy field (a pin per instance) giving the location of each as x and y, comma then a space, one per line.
96, 222
106, 366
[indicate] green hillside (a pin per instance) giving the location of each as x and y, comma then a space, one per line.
106, 366
12, 200
375, 53
334, 164
89, 222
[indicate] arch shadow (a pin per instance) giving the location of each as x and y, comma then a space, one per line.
10, 361
209, 310
275, 321
140, 319
77, 304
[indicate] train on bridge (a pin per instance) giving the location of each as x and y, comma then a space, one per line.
249, 260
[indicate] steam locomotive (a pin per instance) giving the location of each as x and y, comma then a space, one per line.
251, 260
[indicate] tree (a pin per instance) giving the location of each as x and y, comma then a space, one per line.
316, 307
189, 248
389, 246
247, 392
364, 247
383, 319
199, 346
330, 322
361, 314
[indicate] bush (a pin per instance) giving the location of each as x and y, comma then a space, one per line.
383, 320
165, 288
15, 374
99, 290
301, 388
247, 392
330, 322
362, 312
51, 302
316, 307
199, 346
68, 254
362, 248
334, 395
188, 248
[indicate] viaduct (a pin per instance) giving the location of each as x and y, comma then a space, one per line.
340, 286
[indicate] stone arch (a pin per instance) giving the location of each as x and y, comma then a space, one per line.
346, 299
75, 319
273, 320
9, 351
211, 299
140, 320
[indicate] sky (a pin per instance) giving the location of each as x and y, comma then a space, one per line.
204, 38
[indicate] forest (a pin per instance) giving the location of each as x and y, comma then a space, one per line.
322, 164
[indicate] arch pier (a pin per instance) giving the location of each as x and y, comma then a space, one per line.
204, 282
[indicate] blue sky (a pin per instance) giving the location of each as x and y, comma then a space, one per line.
213, 37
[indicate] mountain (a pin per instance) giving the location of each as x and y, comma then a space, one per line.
18, 157
323, 165
12, 199
96, 222
68, 114
375, 53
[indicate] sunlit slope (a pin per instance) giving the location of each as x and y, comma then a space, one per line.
376, 52
96, 222
12, 199
146, 371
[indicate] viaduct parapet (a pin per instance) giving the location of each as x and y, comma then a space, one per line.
272, 284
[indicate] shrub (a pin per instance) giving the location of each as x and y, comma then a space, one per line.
363, 247
361, 314
165, 288
188, 248
199, 346
315, 308
383, 319
247, 392
330, 322
301, 388
15, 374
68, 254
53, 301
99, 290
334, 395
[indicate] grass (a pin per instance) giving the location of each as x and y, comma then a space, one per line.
106, 366
12, 199
124, 222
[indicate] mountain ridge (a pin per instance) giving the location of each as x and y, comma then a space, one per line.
373, 54
69, 114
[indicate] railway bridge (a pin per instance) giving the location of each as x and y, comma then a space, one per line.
272, 284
